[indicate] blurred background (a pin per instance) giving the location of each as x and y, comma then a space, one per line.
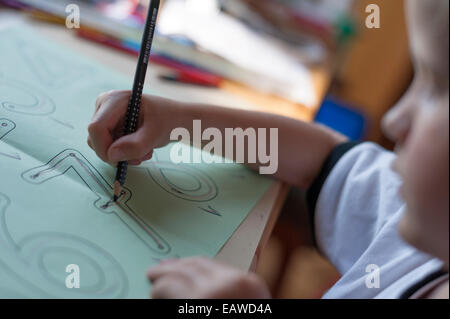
313, 60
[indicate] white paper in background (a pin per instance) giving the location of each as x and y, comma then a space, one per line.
326, 11
229, 38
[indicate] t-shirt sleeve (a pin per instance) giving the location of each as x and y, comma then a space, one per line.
355, 194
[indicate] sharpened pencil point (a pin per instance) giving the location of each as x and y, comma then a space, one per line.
117, 191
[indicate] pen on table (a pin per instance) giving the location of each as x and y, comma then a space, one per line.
183, 73
194, 79
98, 37
136, 94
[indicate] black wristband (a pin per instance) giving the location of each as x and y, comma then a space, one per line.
312, 194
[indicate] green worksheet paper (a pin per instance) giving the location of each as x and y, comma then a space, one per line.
55, 192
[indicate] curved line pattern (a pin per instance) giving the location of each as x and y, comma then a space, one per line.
72, 159
204, 190
32, 250
52, 70
38, 102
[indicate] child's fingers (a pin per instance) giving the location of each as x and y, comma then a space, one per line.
168, 267
137, 162
109, 95
100, 139
106, 119
148, 156
89, 142
130, 147
193, 267
170, 287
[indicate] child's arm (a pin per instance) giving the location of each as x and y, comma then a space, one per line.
302, 147
302, 150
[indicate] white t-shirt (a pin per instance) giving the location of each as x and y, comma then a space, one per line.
357, 210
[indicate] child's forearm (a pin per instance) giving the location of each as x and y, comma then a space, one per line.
302, 147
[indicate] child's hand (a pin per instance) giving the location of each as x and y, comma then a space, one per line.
108, 122
200, 278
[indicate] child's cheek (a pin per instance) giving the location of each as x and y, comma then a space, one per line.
424, 168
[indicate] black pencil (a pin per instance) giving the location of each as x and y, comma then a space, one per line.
134, 103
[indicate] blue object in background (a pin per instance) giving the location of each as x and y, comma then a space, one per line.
341, 118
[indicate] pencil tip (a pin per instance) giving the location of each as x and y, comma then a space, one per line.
117, 190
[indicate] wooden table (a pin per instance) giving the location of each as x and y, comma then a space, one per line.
243, 248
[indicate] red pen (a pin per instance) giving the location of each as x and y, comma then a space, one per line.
195, 79
104, 40
182, 73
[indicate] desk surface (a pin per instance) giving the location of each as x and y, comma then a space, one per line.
242, 249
